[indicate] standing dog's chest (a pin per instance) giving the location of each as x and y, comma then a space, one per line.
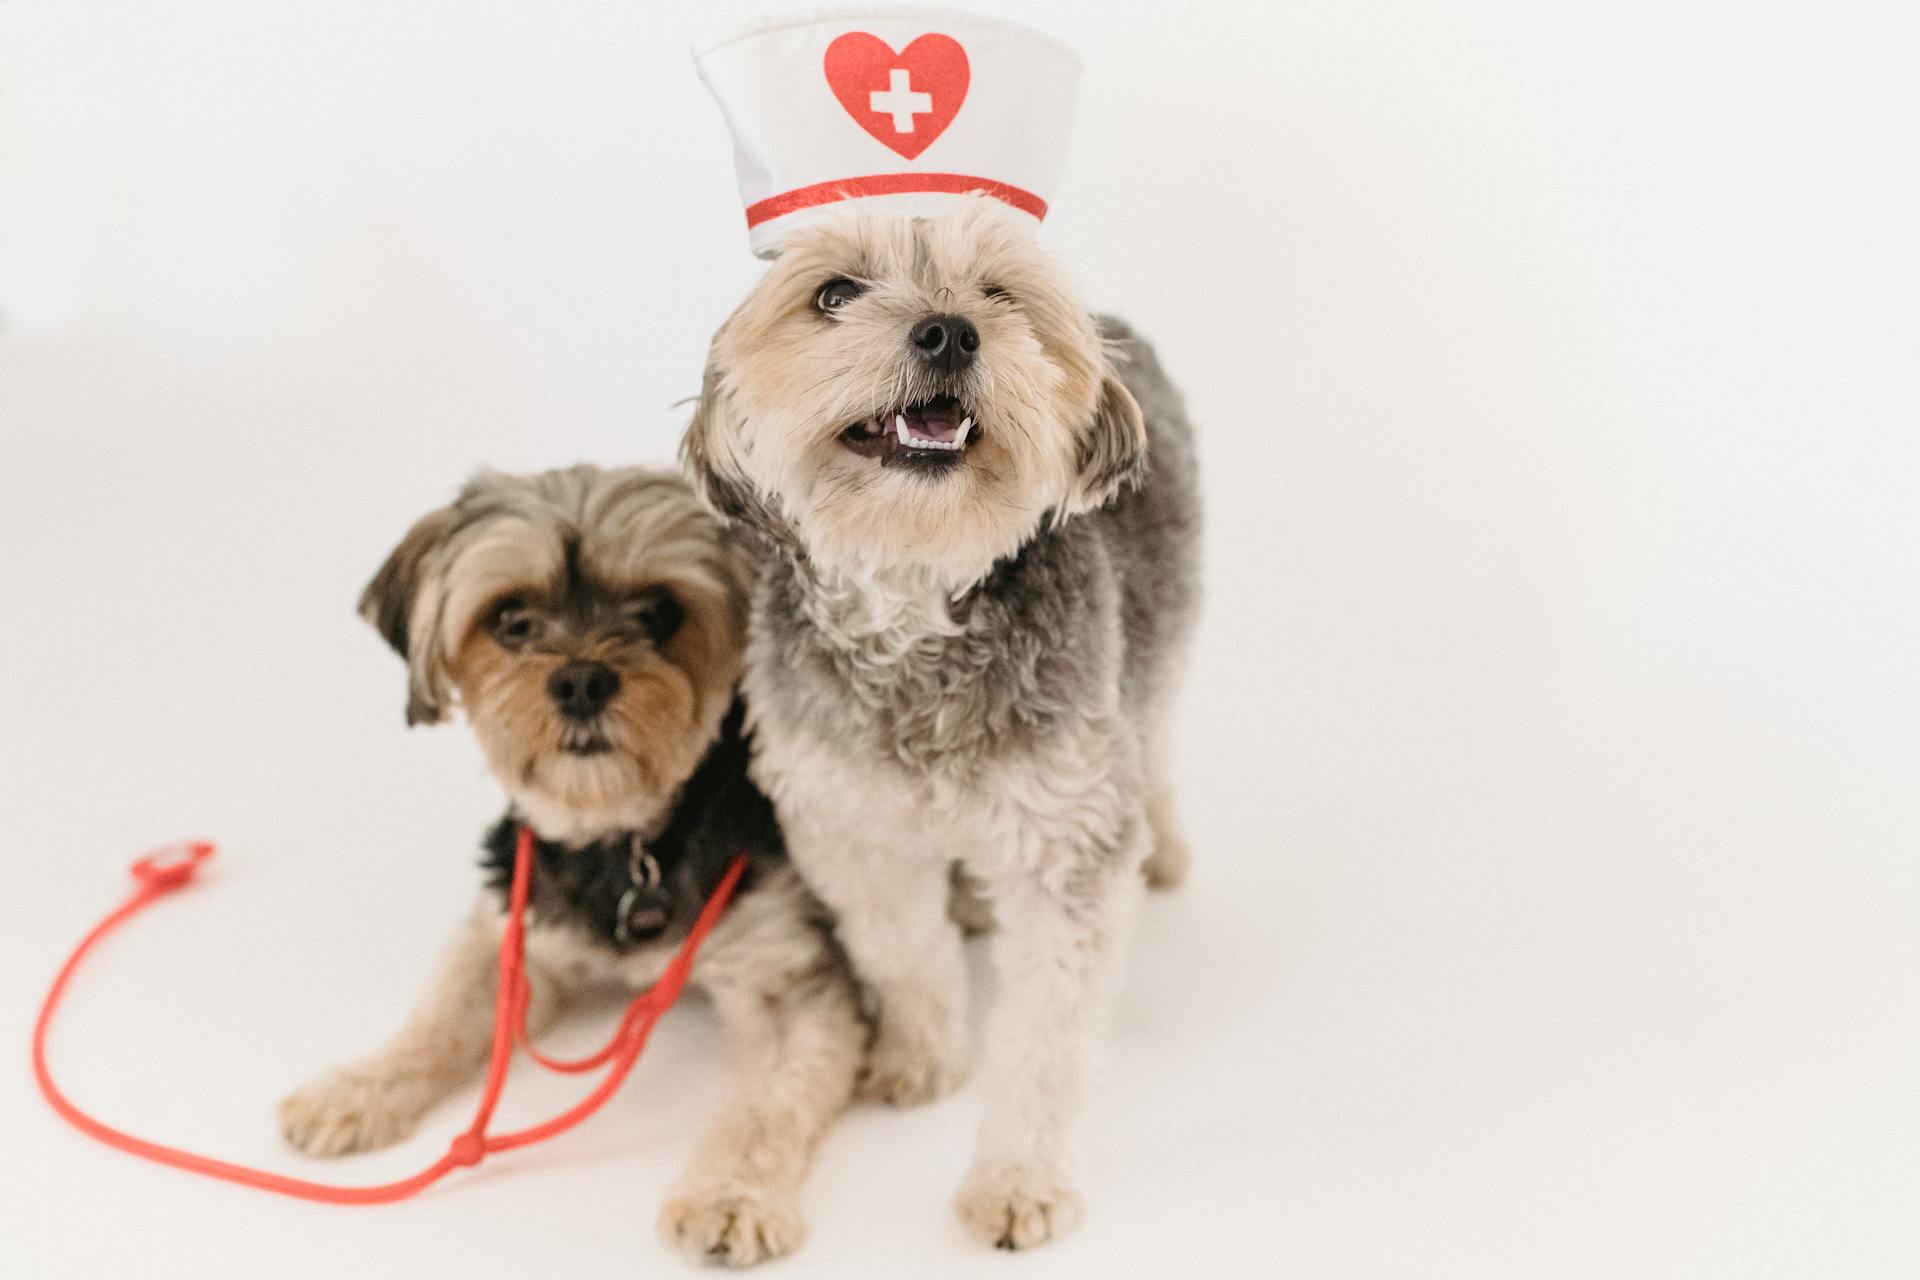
940, 706
939, 688
1000, 803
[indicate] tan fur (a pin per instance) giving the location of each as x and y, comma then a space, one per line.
967, 904
776, 980
785, 381
654, 722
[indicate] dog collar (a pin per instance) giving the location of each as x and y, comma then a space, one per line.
630, 889
619, 890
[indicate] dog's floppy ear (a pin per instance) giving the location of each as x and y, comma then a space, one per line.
402, 602
719, 486
706, 457
1113, 448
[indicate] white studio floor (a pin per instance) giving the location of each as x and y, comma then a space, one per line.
1550, 750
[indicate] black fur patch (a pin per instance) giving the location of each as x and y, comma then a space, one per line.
719, 813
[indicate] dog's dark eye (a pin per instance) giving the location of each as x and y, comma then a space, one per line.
993, 291
657, 612
511, 623
835, 294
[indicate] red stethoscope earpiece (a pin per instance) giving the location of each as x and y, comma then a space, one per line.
171, 866
174, 866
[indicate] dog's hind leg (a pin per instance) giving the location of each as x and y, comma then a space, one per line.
1167, 863
890, 913
888, 890
378, 1100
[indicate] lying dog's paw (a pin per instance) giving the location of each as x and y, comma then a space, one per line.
909, 1067
734, 1224
343, 1112
1015, 1206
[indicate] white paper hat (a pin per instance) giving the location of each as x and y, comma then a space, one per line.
901, 109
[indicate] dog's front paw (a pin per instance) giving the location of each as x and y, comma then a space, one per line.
909, 1066
343, 1112
734, 1224
1018, 1206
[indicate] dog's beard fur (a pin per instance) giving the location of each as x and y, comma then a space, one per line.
572, 552
619, 770
1055, 432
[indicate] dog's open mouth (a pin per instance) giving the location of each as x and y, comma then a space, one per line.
585, 740
934, 433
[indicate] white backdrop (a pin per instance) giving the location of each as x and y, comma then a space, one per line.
1551, 748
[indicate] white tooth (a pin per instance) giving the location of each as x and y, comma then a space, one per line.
960, 437
900, 427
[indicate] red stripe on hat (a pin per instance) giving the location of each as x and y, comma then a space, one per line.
890, 184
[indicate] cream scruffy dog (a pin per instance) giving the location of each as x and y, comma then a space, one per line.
978, 511
590, 624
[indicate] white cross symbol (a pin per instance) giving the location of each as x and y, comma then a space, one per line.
899, 101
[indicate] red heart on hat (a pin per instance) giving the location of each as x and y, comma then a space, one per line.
905, 99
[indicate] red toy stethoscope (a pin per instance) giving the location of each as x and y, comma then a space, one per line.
162, 872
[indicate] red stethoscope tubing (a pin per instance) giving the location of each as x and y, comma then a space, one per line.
160, 874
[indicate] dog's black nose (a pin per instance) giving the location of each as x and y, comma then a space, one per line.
948, 343
582, 690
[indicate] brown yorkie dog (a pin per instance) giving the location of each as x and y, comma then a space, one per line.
590, 623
